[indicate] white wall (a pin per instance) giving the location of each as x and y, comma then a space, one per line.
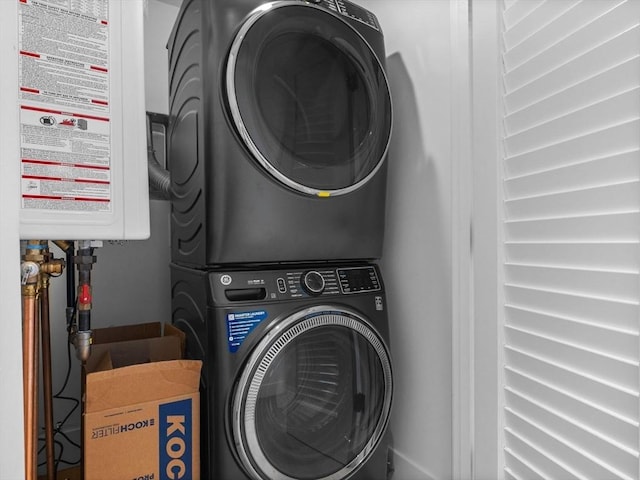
417, 259
11, 407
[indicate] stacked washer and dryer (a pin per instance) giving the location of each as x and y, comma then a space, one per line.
280, 119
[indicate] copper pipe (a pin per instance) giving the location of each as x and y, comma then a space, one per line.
32, 260
30, 378
37, 266
47, 383
47, 268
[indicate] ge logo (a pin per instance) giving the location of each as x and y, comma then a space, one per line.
225, 279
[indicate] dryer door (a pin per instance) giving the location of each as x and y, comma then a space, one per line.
314, 398
309, 98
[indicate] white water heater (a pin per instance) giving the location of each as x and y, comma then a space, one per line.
73, 117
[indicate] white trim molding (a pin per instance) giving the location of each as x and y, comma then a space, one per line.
11, 407
462, 266
486, 200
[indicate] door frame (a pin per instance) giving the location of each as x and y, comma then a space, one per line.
476, 233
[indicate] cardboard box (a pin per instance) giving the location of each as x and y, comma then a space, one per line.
141, 417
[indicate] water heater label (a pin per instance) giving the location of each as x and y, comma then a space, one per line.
240, 325
65, 131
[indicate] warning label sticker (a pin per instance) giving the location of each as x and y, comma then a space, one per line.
65, 160
65, 121
240, 325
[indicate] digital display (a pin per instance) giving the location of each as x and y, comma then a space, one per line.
354, 280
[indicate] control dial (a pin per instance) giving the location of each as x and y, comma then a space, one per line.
312, 282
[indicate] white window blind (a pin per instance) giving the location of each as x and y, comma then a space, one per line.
571, 76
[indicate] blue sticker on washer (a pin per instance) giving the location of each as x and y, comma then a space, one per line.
240, 325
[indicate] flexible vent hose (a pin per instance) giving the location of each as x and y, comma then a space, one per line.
159, 177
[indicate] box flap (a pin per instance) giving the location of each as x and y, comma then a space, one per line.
141, 383
101, 361
134, 344
171, 331
126, 332
124, 354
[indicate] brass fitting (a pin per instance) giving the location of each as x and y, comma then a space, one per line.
35, 251
37, 265
64, 245
53, 267
30, 290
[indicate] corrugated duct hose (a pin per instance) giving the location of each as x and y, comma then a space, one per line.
159, 178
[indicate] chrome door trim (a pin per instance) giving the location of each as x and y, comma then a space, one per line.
251, 19
245, 393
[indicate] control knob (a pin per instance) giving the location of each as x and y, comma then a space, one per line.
312, 282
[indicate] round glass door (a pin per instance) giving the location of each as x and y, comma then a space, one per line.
309, 98
314, 399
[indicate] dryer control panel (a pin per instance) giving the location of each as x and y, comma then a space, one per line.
351, 10
294, 283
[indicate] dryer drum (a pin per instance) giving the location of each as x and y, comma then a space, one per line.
314, 398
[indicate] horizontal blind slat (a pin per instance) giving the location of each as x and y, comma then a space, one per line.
611, 140
591, 173
574, 358
527, 462
616, 314
615, 110
523, 21
620, 429
613, 256
555, 30
590, 36
578, 461
595, 336
615, 398
623, 197
607, 56
509, 474
567, 429
617, 79
518, 11
509, 3
618, 227
622, 286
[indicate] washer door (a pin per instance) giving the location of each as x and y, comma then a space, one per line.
309, 98
314, 398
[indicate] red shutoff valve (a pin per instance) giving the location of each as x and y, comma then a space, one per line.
85, 295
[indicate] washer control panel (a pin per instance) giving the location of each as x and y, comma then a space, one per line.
313, 282
294, 283
304, 283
